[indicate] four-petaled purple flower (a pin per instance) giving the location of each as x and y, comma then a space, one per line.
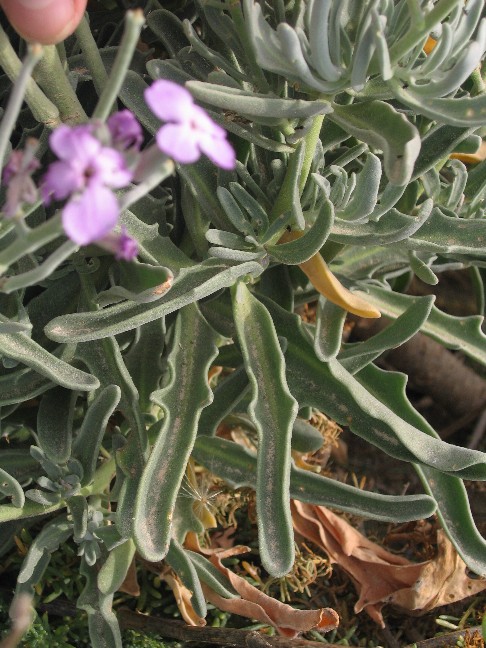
190, 130
86, 173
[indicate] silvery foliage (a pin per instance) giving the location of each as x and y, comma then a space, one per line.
343, 126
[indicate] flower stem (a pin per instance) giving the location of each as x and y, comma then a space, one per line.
32, 241
16, 98
51, 77
42, 108
162, 167
133, 26
92, 56
41, 272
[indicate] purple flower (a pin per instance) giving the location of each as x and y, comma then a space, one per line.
190, 130
17, 176
121, 245
86, 173
125, 130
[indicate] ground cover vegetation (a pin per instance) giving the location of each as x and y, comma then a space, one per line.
224, 235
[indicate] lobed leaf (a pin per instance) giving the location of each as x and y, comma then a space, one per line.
273, 411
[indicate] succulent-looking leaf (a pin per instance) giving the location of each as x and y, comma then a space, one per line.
10, 487
186, 394
449, 492
273, 411
237, 465
88, 440
334, 391
181, 563
19, 346
191, 285
55, 423
453, 332
296, 247
380, 125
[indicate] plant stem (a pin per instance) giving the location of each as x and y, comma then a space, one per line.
51, 77
32, 241
133, 26
42, 108
41, 272
16, 99
92, 56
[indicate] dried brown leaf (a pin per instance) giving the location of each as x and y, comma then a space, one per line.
183, 596
254, 604
381, 577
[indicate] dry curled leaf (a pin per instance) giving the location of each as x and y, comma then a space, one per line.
183, 596
254, 604
381, 577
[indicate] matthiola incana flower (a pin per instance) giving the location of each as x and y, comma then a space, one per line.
189, 131
125, 130
17, 176
86, 174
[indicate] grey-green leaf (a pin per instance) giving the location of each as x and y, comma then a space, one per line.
186, 394
380, 125
273, 411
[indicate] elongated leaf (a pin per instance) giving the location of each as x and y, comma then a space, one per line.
443, 234
237, 466
301, 249
453, 332
227, 395
380, 125
439, 142
143, 360
273, 411
181, 563
254, 105
30, 509
20, 347
114, 570
208, 573
461, 112
329, 329
334, 391
186, 394
365, 195
88, 440
49, 539
356, 356
55, 424
103, 626
190, 285
449, 492
10, 487
391, 228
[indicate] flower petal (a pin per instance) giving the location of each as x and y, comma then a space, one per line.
169, 101
110, 169
218, 151
74, 144
60, 180
180, 142
90, 216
